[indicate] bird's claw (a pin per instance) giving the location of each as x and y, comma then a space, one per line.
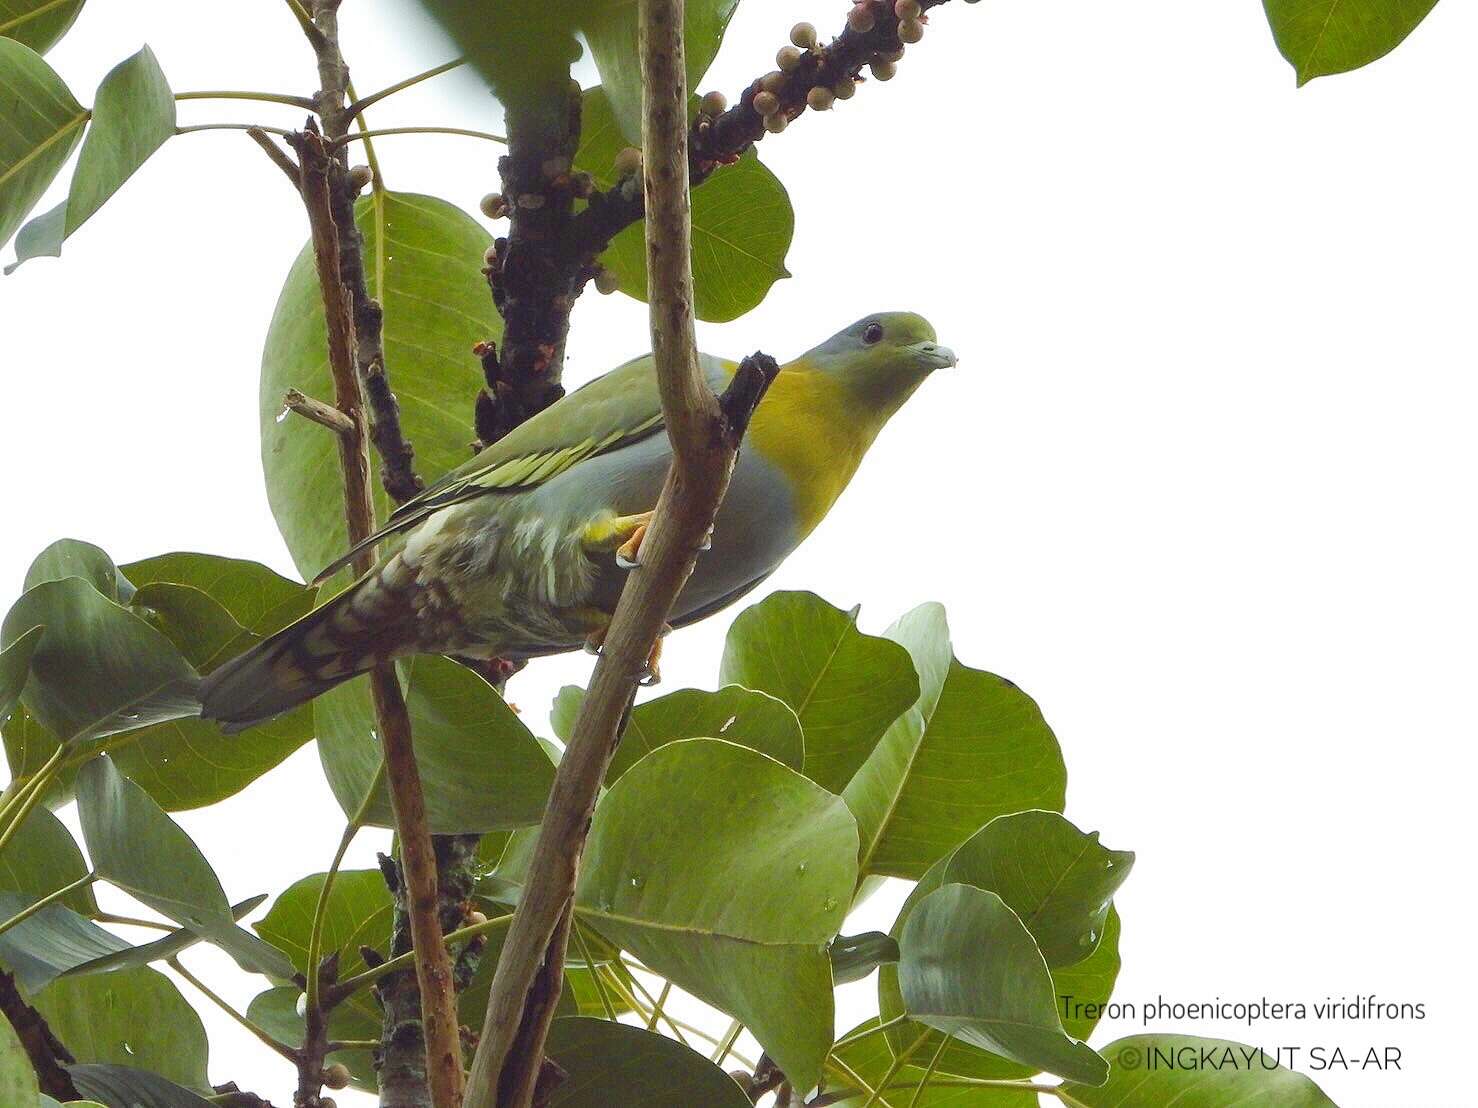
707, 543
623, 562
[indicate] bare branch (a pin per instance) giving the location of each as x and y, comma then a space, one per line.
325, 415
705, 436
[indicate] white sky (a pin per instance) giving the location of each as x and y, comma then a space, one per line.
1202, 483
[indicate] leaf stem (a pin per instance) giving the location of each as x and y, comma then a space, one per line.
600, 986
131, 921
239, 94
47, 900
868, 1032
657, 1007
20, 805
194, 127
463, 131
408, 959
731, 1036
281, 1048
375, 97
893, 1069
929, 1072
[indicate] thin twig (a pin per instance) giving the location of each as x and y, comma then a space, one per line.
278, 156
261, 1033
325, 415
357, 136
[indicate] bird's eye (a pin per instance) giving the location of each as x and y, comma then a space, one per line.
872, 333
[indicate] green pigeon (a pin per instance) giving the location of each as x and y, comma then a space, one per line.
523, 551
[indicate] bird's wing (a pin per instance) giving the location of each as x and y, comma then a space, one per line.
612, 411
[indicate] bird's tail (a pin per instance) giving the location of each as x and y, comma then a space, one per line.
370, 622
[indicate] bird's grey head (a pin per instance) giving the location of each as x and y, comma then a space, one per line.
883, 357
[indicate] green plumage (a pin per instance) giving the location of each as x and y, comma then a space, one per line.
514, 554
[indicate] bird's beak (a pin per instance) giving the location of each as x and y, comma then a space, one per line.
933, 356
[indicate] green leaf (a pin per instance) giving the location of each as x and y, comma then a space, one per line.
970, 968
138, 848
75, 558
872, 1058
973, 747
743, 716
728, 873
37, 23
423, 259
1148, 1071
98, 669
276, 1012
359, 913
853, 957
846, 687
203, 631
1320, 37
15, 667
132, 116
743, 224
611, 28
257, 598
135, 1017
42, 858
44, 122
124, 1087
172, 943
1057, 879
650, 1070
17, 1078
481, 767
42, 948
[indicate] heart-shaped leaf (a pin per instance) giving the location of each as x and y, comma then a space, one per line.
1320, 37
743, 224
728, 873
970, 968
651, 1070
845, 687
423, 259
138, 848
1148, 1071
481, 767
37, 23
44, 122
135, 1017
98, 669
132, 116
744, 716
42, 858
971, 748
41, 948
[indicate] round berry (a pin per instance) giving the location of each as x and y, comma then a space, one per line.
883, 71
804, 36
714, 103
907, 9
336, 1076
844, 89
606, 282
776, 123
787, 58
490, 256
860, 19
360, 177
474, 918
766, 103
820, 98
910, 30
493, 206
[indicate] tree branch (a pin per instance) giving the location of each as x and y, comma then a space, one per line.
49, 1058
322, 177
705, 435
540, 270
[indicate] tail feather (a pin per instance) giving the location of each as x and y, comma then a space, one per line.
368, 623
